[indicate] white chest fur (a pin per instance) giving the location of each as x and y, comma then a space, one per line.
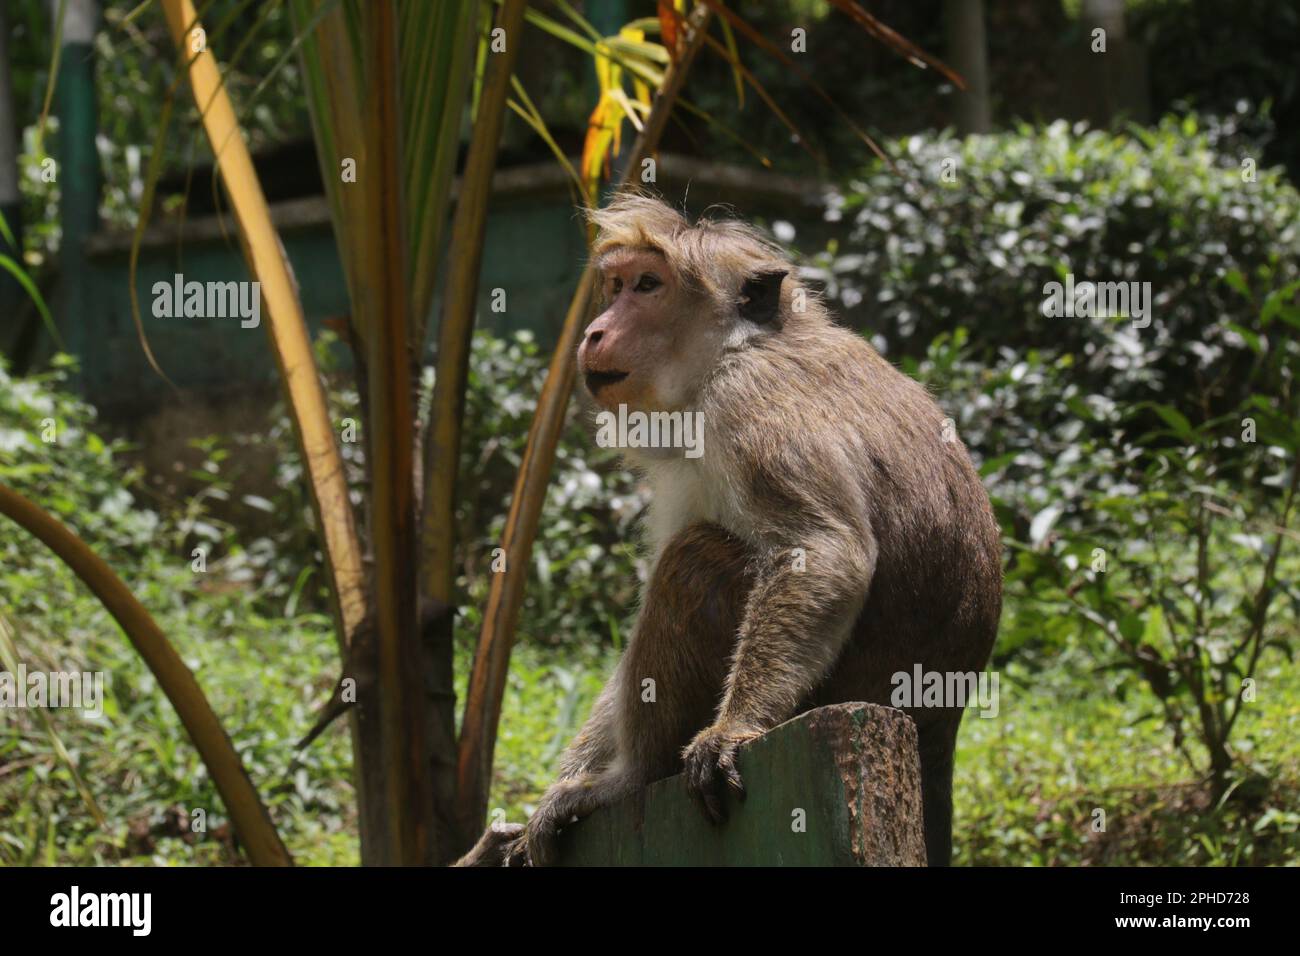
684, 491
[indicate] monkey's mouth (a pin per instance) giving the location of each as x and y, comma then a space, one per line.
598, 380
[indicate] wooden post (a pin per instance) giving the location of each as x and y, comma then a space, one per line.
78, 175
11, 197
837, 786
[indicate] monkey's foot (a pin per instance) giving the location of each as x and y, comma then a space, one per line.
493, 846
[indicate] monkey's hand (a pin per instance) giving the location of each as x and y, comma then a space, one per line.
711, 766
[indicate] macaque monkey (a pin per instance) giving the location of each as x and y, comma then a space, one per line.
833, 533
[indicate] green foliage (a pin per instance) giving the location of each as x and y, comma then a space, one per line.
264, 675
1183, 570
921, 256
1068, 742
50, 453
584, 579
1160, 556
1149, 537
135, 62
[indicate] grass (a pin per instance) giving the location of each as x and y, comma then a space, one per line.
265, 677
1029, 782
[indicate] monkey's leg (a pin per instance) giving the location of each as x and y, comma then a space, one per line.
937, 743
565, 800
669, 681
666, 688
676, 664
493, 846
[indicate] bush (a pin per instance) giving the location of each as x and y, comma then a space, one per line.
585, 569
1167, 206
265, 675
50, 453
1153, 556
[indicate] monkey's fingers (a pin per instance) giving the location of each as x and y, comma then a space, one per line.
516, 853
727, 763
705, 783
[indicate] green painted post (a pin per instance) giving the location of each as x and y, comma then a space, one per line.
78, 176
608, 16
837, 786
11, 204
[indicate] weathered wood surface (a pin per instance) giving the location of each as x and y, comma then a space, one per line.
852, 769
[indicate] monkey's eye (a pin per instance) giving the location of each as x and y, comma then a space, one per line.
647, 283
616, 286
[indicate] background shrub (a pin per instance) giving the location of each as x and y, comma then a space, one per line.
1169, 206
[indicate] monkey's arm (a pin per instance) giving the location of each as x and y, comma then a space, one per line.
807, 592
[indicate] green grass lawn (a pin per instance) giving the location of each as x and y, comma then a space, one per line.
1029, 782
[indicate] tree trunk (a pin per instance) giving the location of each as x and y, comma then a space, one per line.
968, 55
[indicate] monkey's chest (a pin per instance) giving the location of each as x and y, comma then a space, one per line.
683, 493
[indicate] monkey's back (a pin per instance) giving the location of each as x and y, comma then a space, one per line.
936, 594
860, 436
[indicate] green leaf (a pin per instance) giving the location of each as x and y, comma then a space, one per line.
1276, 301
1154, 632
24, 280
1176, 420
1237, 281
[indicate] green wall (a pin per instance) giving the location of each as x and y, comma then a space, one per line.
534, 252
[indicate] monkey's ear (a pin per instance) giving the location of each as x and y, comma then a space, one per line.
760, 297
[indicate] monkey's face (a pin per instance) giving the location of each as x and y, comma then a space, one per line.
650, 347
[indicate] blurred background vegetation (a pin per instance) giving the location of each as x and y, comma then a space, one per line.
1120, 682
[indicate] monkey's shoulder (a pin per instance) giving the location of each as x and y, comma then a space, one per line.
832, 388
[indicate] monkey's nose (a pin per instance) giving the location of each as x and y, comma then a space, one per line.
594, 336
